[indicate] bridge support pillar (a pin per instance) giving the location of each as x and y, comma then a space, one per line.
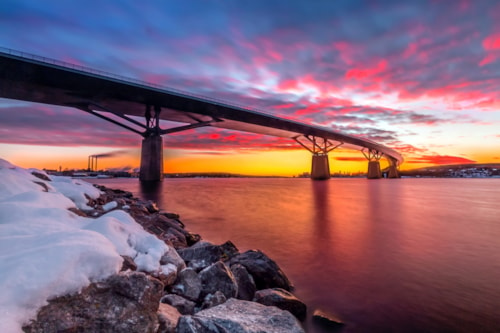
393, 169
320, 169
374, 170
373, 157
319, 147
152, 159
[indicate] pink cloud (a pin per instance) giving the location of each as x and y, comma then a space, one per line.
492, 42
491, 45
440, 159
362, 73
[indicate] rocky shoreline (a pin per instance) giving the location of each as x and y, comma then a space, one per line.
202, 287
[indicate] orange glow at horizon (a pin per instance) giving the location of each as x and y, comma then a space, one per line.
258, 163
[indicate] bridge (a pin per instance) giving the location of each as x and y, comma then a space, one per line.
37, 79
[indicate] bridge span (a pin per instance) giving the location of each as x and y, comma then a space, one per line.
36, 79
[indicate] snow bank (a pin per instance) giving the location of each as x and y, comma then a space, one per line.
48, 251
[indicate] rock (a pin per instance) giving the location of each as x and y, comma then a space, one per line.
121, 193
282, 299
171, 216
126, 302
198, 264
77, 211
188, 284
161, 222
327, 319
172, 257
168, 317
128, 263
218, 277
139, 287
208, 253
265, 272
184, 306
214, 299
151, 206
192, 238
121, 202
40, 176
43, 185
138, 211
245, 282
242, 317
179, 241
168, 274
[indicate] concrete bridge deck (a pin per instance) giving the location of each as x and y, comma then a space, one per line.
31, 78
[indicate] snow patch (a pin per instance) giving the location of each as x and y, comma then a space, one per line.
109, 206
47, 251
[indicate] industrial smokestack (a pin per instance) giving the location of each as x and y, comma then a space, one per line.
92, 160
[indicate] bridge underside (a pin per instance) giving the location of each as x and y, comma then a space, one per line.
48, 81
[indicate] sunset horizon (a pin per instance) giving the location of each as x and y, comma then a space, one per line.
421, 79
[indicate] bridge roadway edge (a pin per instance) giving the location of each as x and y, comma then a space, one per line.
42, 80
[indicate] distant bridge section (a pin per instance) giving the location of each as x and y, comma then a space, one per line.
32, 78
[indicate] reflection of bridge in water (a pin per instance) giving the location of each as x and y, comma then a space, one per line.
35, 79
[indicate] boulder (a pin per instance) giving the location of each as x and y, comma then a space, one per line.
282, 299
168, 317
151, 206
198, 264
126, 302
128, 263
167, 274
184, 306
207, 253
265, 272
217, 277
245, 282
214, 299
179, 241
188, 284
192, 238
171, 216
165, 222
242, 317
172, 257
326, 319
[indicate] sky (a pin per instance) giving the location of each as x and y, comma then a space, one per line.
422, 77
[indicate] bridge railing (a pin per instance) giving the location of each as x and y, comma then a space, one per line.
125, 79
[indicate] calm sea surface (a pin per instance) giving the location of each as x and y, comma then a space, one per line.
391, 255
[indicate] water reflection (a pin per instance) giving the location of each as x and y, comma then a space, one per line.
407, 255
321, 204
151, 191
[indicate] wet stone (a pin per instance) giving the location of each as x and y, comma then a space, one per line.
327, 319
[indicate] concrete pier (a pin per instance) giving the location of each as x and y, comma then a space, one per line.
320, 169
374, 170
393, 172
152, 159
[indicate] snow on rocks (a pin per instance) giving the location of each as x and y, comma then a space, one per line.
109, 206
47, 251
68, 247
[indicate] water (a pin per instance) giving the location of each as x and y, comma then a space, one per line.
399, 255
